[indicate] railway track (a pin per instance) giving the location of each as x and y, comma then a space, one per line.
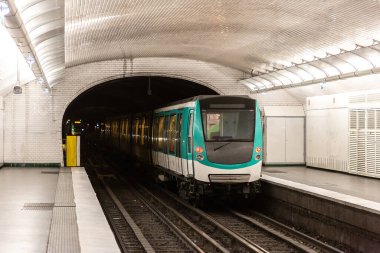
156, 220
126, 237
138, 227
270, 235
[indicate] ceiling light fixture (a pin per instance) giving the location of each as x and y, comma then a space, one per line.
40, 80
4, 8
30, 59
17, 88
337, 64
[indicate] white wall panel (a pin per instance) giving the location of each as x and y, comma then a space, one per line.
327, 132
275, 148
295, 140
284, 135
284, 140
1, 130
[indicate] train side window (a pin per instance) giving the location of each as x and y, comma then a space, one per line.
154, 134
140, 132
127, 128
172, 133
147, 131
190, 133
166, 134
178, 135
121, 128
142, 136
136, 130
126, 125
160, 133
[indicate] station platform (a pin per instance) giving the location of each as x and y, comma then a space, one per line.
51, 210
357, 191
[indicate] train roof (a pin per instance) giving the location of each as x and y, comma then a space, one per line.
188, 102
201, 97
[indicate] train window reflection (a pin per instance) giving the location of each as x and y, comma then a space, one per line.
160, 133
171, 133
228, 125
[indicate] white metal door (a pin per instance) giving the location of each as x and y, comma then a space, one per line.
275, 140
294, 140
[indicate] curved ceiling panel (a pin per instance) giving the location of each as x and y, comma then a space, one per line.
246, 34
44, 23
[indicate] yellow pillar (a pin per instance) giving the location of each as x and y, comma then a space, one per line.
71, 151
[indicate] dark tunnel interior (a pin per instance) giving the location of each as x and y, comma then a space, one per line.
130, 95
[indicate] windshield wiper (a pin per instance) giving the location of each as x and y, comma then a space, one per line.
221, 146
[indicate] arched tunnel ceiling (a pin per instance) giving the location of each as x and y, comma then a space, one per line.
242, 34
271, 39
131, 95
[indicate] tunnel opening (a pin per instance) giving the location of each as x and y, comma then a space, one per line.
120, 97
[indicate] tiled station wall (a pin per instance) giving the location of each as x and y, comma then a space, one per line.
29, 132
1, 130
32, 120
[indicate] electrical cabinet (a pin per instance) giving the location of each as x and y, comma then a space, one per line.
284, 135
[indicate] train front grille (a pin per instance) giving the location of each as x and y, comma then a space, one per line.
229, 178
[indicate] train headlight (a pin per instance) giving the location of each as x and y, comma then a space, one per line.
199, 150
258, 149
200, 157
257, 157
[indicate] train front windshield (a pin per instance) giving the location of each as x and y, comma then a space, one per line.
228, 124
228, 128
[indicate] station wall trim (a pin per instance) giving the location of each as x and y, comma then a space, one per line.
34, 165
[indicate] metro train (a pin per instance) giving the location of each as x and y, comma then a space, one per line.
205, 144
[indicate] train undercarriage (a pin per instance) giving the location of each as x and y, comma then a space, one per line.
197, 192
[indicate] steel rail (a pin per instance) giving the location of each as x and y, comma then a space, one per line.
323, 246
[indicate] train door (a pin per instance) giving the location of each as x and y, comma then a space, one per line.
154, 140
166, 142
190, 168
171, 143
178, 159
160, 141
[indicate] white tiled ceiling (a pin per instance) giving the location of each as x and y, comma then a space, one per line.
242, 34
270, 39
43, 22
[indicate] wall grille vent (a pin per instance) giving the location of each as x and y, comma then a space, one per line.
38, 206
357, 99
364, 140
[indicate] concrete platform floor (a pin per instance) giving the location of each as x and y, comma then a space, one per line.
24, 230
48, 209
349, 184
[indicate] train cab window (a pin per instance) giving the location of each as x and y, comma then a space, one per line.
228, 125
178, 135
172, 133
161, 133
212, 128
